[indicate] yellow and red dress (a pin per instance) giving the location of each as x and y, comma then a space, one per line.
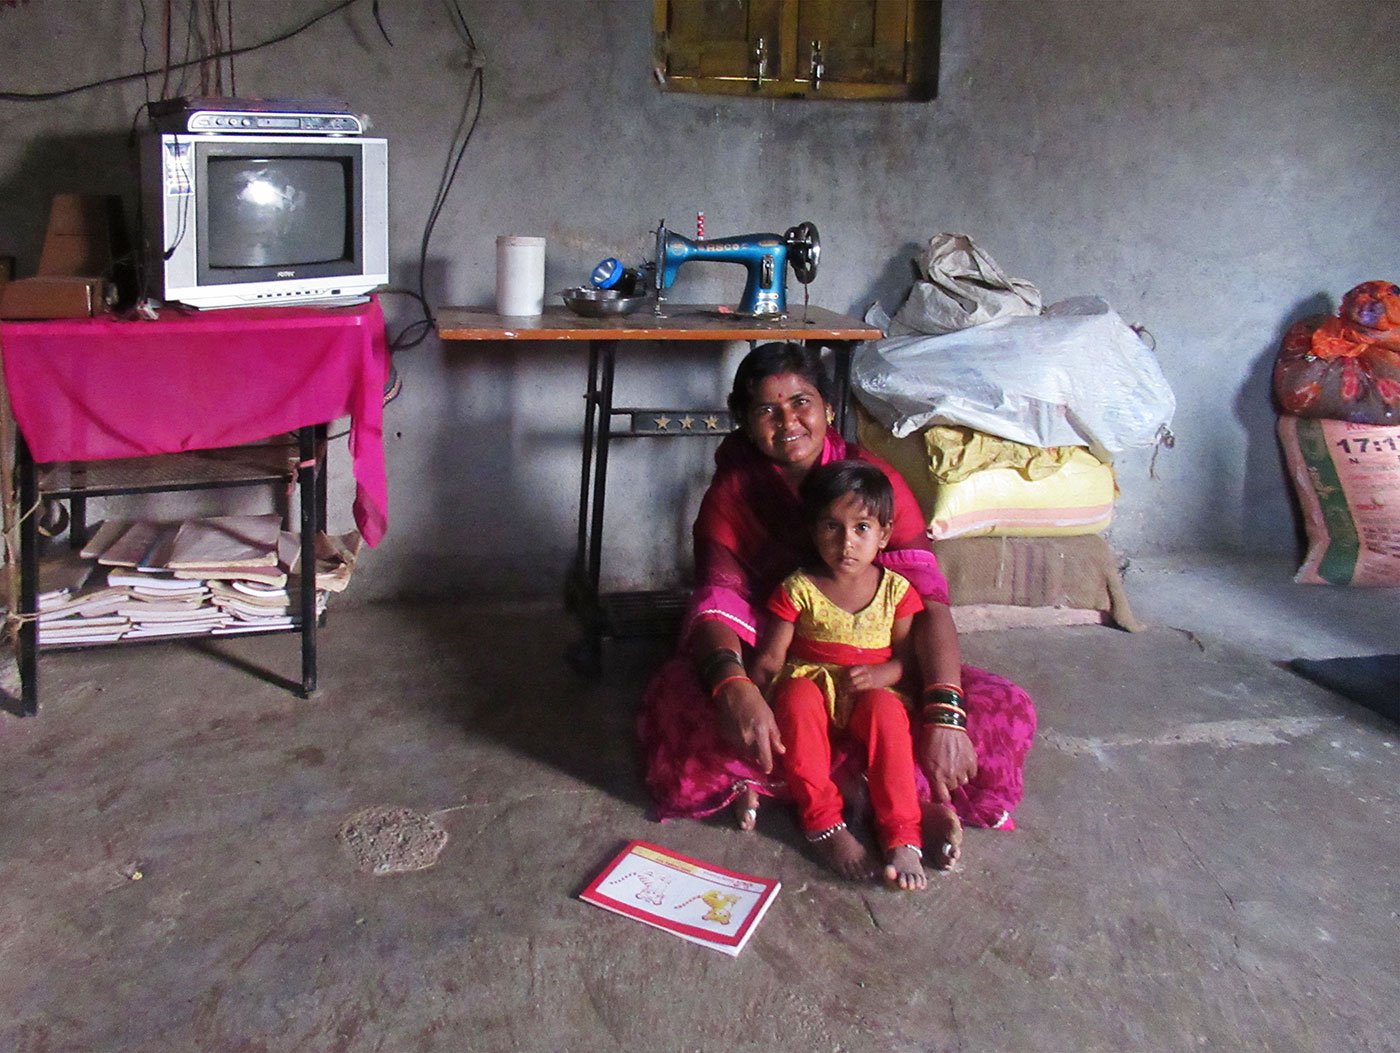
828, 637
810, 710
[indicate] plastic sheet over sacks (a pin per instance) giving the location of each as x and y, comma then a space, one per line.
1076, 375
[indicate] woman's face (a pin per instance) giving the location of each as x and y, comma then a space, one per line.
787, 421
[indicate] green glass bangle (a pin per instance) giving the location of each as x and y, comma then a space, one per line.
716, 658
945, 717
945, 694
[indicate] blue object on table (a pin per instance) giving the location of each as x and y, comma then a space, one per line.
608, 273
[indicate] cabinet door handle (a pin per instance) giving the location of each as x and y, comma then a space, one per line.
818, 67
760, 62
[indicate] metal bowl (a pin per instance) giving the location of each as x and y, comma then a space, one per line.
599, 303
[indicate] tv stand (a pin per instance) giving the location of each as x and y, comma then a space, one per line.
97, 399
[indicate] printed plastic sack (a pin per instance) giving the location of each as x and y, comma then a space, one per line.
1345, 367
1076, 375
1347, 477
963, 287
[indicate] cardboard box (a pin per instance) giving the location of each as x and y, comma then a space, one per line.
82, 236
51, 297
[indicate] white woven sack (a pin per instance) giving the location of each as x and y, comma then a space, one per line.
963, 287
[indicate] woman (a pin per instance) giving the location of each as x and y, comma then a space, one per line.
707, 732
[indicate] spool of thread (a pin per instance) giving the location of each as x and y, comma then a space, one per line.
519, 275
699, 226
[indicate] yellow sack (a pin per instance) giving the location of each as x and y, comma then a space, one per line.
956, 452
1001, 501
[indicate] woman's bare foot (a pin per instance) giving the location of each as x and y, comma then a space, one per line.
844, 854
904, 869
942, 834
746, 809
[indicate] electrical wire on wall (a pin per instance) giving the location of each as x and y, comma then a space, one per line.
185, 64
414, 333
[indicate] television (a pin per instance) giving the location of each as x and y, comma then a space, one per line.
263, 220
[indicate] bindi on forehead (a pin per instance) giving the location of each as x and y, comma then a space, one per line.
783, 387
785, 399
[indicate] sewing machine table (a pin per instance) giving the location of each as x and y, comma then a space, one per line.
644, 613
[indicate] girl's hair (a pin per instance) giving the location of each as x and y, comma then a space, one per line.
771, 360
828, 483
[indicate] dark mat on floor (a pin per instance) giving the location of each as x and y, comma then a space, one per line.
1371, 680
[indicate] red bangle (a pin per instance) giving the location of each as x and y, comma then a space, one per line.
714, 691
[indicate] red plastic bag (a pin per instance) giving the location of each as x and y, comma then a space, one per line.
1345, 367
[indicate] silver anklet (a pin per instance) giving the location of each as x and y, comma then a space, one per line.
917, 850
822, 835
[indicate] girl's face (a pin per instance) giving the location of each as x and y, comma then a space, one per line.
787, 421
848, 536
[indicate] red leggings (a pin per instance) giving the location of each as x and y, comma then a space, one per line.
880, 724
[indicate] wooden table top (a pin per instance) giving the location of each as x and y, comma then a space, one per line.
679, 322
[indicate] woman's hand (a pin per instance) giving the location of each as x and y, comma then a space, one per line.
947, 757
748, 722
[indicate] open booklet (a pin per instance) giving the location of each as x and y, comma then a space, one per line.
696, 901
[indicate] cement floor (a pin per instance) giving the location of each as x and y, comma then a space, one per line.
1207, 855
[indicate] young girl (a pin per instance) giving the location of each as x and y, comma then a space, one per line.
832, 653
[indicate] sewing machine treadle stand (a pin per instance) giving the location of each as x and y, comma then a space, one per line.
650, 613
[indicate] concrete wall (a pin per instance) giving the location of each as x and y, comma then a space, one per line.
1214, 170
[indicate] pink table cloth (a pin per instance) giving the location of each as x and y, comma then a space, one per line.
95, 388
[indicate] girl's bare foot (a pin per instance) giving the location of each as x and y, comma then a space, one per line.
843, 853
746, 808
942, 834
904, 868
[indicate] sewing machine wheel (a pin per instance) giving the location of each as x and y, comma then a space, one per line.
804, 249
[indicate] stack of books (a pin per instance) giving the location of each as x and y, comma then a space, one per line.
69, 611
158, 605
226, 574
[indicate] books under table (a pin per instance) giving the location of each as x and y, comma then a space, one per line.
699, 902
145, 580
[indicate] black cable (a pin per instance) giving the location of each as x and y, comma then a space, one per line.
477, 86
417, 331
190, 48
232, 80
379, 21
145, 58
46, 96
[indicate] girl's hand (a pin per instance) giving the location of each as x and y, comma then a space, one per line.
748, 722
856, 678
948, 759
868, 677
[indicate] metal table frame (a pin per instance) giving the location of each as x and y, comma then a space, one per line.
86, 479
617, 615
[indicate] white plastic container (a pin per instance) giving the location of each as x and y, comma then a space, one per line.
519, 275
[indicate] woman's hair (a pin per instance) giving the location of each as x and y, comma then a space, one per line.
830, 482
771, 360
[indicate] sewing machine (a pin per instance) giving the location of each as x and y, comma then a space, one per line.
764, 256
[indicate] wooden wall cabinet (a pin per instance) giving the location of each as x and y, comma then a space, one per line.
814, 49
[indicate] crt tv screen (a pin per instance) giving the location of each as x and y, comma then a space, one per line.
279, 211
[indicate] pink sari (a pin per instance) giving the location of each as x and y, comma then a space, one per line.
748, 537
